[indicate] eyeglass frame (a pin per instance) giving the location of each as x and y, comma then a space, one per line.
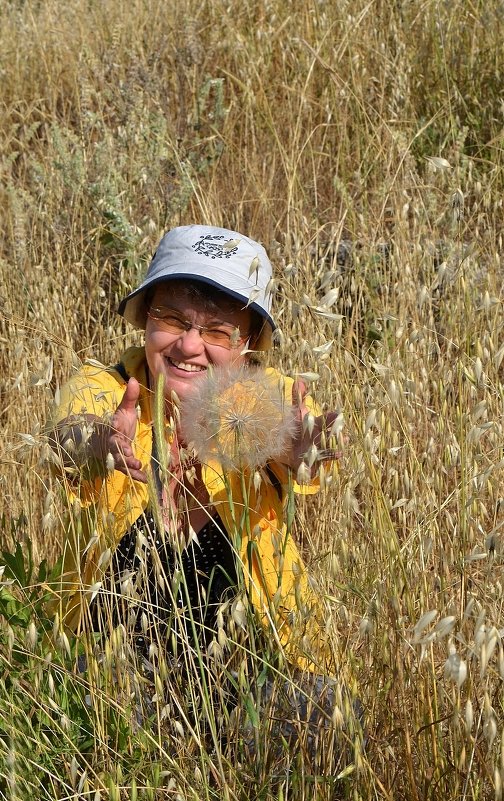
188, 325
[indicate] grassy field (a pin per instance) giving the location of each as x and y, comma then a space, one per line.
362, 143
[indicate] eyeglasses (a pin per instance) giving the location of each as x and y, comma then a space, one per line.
222, 334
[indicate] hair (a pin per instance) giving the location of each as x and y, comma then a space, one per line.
212, 301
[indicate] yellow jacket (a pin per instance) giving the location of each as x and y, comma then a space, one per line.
103, 508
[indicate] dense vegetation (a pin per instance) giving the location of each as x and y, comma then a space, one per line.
362, 143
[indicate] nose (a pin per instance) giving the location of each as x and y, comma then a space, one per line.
191, 341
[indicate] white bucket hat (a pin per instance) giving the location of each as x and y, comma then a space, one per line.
224, 259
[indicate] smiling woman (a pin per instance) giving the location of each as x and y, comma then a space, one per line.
183, 338
152, 506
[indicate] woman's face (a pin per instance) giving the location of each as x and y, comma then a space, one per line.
184, 357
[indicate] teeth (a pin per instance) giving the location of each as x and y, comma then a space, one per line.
190, 368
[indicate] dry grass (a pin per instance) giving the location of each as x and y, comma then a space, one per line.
362, 143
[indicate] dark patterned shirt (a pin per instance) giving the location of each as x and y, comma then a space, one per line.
163, 596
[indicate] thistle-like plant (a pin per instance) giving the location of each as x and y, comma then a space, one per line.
239, 417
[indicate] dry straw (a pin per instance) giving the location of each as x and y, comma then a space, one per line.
318, 138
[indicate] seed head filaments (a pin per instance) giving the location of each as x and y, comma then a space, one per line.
239, 417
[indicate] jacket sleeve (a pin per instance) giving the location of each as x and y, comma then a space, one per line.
94, 391
100, 506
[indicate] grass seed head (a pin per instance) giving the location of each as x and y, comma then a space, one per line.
31, 635
455, 669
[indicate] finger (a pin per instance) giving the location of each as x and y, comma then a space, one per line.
124, 421
121, 449
135, 473
126, 461
132, 463
327, 423
139, 475
328, 455
127, 457
298, 393
322, 435
130, 398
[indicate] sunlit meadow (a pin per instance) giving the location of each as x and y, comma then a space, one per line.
362, 143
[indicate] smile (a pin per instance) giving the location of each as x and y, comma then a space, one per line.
188, 368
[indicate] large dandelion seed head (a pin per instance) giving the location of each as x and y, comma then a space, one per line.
239, 417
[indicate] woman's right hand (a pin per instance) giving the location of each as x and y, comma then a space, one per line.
89, 441
121, 434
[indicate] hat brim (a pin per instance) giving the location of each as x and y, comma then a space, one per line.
132, 307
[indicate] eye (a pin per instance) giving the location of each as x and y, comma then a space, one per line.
221, 333
168, 318
173, 318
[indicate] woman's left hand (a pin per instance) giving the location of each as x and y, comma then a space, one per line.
309, 435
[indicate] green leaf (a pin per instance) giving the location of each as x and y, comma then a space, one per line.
251, 711
15, 565
263, 675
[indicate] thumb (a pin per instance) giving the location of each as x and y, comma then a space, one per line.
130, 398
298, 394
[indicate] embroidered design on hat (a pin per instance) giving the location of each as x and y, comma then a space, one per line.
207, 245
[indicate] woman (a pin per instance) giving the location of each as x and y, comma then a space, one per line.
148, 509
